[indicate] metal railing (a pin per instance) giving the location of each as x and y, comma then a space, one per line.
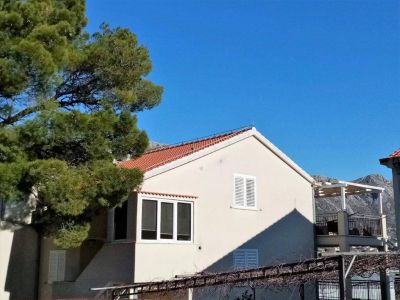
365, 225
327, 224
360, 289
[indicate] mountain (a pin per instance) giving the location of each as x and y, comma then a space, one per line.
366, 204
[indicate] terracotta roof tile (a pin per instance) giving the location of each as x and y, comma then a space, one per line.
395, 154
161, 156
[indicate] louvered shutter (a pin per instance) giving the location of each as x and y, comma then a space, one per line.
250, 192
239, 191
251, 258
239, 259
56, 265
245, 258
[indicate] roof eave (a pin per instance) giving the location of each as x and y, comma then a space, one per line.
390, 162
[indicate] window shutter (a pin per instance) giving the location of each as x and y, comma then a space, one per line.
239, 191
250, 192
56, 266
61, 266
245, 258
251, 258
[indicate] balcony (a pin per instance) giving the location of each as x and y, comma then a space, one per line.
341, 231
365, 225
345, 232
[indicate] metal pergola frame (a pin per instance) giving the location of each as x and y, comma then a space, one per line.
301, 272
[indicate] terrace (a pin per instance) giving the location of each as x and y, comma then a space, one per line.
344, 231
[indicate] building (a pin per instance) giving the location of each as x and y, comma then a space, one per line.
233, 200
393, 162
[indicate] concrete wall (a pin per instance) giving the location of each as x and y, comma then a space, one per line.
18, 261
281, 227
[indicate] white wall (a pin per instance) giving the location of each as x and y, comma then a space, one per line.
281, 227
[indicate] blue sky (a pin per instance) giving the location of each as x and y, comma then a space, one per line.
320, 79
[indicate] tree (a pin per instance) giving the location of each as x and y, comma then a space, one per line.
67, 105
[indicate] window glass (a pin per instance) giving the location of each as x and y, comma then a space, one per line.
149, 220
167, 221
184, 222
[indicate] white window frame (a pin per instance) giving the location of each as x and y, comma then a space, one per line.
159, 240
234, 205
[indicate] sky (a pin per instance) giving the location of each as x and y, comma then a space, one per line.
319, 79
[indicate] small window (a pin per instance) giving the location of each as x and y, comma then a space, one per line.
149, 220
245, 191
56, 266
184, 222
245, 258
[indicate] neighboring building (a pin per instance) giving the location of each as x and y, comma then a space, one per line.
19, 245
345, 232
393, 162
342, 231
228, 201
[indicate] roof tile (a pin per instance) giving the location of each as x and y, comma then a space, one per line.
395, 154
161, 156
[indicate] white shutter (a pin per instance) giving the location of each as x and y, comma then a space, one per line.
239, 191
245, 258
56, 265
250, 192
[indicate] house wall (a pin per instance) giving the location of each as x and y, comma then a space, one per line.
77, 260
281, 227
19, 255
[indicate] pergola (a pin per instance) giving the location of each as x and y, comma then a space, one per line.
343, 188
339, 267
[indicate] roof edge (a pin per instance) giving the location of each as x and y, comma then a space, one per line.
241, 136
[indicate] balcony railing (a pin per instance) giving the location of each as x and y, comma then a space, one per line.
365, 225
327, 224
357, 225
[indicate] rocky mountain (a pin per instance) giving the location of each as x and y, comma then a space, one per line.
367, 204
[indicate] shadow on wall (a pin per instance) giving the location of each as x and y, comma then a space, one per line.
290, 239
21, 278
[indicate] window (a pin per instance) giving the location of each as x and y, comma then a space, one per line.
165, 220
245, 191
184, 221
56, 265
245, 258
149, 220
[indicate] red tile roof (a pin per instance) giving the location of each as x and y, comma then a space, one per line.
395, 154
158, 157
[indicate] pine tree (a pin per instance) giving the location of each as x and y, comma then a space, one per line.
67, 110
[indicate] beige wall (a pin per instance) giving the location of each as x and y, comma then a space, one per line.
281, 227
